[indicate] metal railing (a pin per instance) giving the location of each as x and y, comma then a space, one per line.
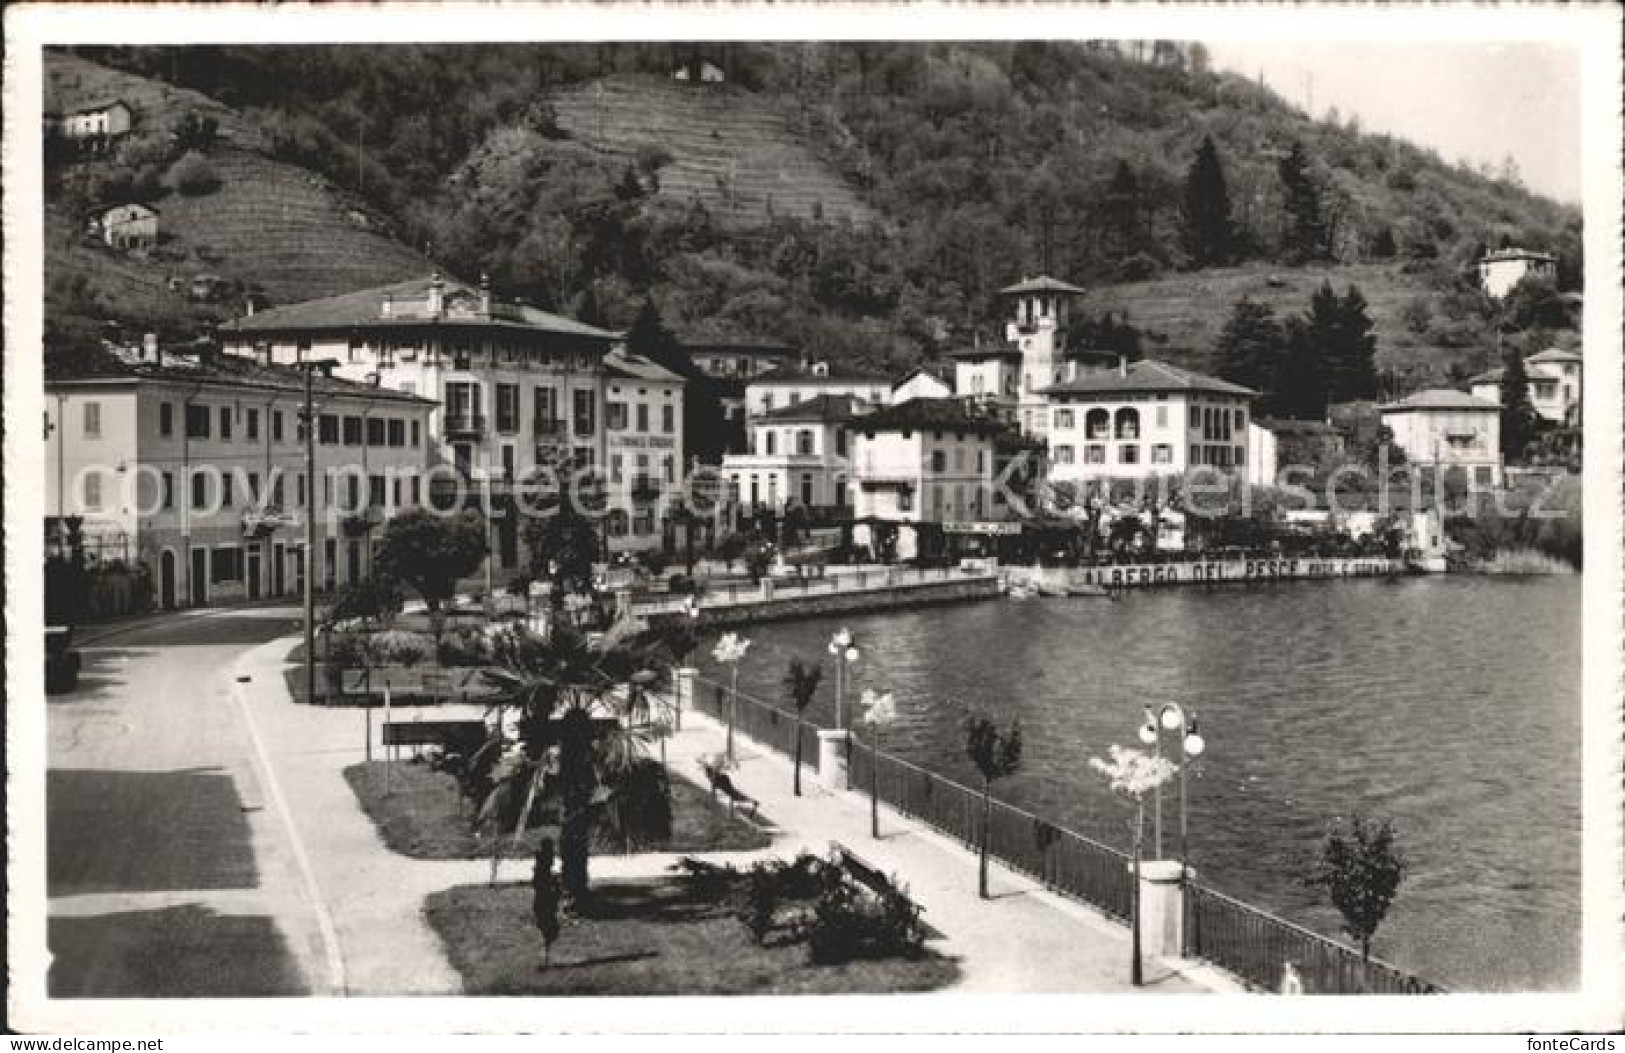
1247, 942
1254, 945
739, 593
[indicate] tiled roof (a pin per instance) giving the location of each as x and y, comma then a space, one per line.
1489, 376
824, 409
765, 348
834, 374
932, 370
1556, 354
1441, 398
364, 308
1041, 284
206, 366
1518, 254
931, 414
1287, 426
638, 368
986, 351
1145, 375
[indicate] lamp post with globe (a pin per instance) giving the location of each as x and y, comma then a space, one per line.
835, 744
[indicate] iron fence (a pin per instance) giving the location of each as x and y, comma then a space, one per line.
1255, 946
766, 723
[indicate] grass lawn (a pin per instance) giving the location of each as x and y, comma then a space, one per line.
421, 818
645, 938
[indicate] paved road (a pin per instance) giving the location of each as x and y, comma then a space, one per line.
167, 874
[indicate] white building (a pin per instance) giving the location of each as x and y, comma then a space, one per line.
925, 460
1499, 271
1441, 429
96, 121
1263, 455
991, 375
643, 435
797, 454
195, 463
1555, 385
791, 385
519, 389
1142, 419
129, 226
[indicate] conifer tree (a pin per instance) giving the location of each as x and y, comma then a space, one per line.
1250, 346
1517, 412
1306, 235
1208, 230
1342, 333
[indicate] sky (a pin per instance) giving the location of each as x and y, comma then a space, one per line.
1480, 102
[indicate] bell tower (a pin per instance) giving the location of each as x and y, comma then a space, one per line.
1039, 312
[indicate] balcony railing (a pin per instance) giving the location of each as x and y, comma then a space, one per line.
258, 522
548, 427
507, 425
465, 423
362, 521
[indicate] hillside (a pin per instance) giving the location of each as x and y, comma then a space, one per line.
729, 149
268, 226
584, 179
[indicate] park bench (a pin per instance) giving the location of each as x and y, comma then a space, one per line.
860, 870
457, 735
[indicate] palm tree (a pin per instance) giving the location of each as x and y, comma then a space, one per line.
801, 683
571, 694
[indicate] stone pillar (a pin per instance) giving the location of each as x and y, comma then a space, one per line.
1162, 908
832, 747
767, 589
685, 691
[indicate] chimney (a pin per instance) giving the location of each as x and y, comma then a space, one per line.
388, 307
248, 306
485, 294
1122, 365
437, 295
149, 349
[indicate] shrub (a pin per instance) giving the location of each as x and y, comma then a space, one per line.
681, 584
193, 175
761, 900
347, 650
1138, 268
463, 647
848, 924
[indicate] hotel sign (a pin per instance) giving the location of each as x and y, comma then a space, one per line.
639, 442
1239, 570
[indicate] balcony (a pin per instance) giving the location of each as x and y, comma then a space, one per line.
507, 425
360, 523
464, 424
645, 490
548, 427
262, 522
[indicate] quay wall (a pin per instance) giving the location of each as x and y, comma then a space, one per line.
786, 606
1209, 572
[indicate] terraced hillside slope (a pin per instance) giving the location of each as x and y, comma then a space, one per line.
272, 226
730, 150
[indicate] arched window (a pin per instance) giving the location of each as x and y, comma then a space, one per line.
1128, 423
1098, 422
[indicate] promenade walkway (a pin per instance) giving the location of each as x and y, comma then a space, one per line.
368, 900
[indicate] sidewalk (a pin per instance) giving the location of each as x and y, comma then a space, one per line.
1024, 939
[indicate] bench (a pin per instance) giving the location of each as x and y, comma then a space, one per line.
451, 734
863, 872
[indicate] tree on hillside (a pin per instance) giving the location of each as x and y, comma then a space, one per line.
1306, 236
1518, 420
1123, 211
1249, 348
1300, 387
1342, 333
1209, 233
431, 552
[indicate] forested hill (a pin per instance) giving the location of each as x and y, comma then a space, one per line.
940, 172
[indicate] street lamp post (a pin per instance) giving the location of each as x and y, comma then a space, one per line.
845, 650
1174, 717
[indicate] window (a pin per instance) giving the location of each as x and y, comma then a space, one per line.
200, 490
397, 431
1241, 419
508, 407
1094, 453
1064, 455
1128, 453
615, 468
615, 416
301, 489
375, 431
93, 420
276, 490
93, 491
804, 442
643, 416
395, 492
253, 487
417, 434
166, 419
1097, 424
671, 468
1064, 418
352, 431
806, 488
226, 564
253, 424
546, 409
327, 429
169, 490
414, 489
772, 442
1162, 416
959, 459
197, 422
1196, 416
585, 413
225, 489
905, 501
376, 490
840, 442
939, 460
225, 423
1128, 423
668, 419
276, 425
1162, 453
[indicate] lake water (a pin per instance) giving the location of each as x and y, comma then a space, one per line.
1449, 704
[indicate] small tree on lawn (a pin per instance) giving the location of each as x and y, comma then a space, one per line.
996, 753
1361, 870
430, 553
544, 907
800, 684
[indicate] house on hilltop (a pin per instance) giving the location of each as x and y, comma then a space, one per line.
1554, 384
128, 226
1502, 269
101, 121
